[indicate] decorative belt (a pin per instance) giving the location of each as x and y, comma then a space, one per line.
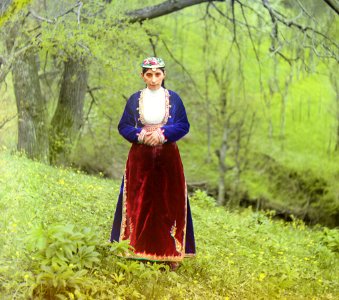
152, 127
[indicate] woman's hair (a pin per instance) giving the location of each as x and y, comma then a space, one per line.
144, 70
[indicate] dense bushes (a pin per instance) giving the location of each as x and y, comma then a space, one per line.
292, 190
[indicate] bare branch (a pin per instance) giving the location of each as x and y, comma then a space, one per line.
94, 101
260, 16
71, 9
253, 46
233, 20
288, 60
278, 17
333, 5
153, 43
305, 11
184, 69
5, 121
36, 16
164, 8
79, 4
4, 5
291, 23
274, 33
7, 63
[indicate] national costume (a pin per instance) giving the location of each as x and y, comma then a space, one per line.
153, 210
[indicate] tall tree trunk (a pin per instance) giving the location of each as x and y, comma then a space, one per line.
68, 117
283, 107
334, 82
223, 81
208, 120
32, 108
207, 100
222, 165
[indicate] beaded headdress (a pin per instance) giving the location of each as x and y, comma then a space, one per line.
153, 63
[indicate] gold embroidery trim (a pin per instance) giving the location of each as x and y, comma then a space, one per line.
167, 107
178, 245
151, 128
124, 209
174, 229
141, 107
144, 255
184, 248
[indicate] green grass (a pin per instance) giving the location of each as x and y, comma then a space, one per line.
240, 255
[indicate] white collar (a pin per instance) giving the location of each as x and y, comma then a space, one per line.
158, 91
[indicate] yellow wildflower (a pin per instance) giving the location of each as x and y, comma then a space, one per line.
261, 276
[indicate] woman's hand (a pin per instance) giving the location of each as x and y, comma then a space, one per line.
152, 139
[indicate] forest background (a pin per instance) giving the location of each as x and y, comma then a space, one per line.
260, 87
257, 78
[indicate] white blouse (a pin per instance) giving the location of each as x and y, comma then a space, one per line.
154, 105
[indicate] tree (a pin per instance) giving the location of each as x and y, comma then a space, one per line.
334, 83
32, 109
68, 117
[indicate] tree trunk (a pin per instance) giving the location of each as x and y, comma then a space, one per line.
208, 120
207, 100
222, 165
223, 81
335, 86
32, 109
68, 117
284, 94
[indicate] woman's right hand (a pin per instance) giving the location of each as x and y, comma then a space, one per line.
152, 139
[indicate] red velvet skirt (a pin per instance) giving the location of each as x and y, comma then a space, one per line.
154, 203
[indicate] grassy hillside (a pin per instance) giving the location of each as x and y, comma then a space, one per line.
55, 225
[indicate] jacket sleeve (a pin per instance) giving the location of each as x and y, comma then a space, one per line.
128, 123
179, 125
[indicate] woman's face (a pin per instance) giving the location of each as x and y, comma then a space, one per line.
153, 78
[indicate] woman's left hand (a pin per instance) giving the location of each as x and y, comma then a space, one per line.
152, 139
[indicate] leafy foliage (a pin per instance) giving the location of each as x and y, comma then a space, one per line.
62, 255
56, 223
63, 245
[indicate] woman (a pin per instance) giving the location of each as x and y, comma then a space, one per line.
153, 211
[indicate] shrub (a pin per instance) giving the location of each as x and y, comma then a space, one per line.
61, 255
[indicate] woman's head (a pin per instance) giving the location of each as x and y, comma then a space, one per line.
153, 72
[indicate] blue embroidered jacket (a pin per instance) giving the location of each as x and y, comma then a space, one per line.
176, 127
